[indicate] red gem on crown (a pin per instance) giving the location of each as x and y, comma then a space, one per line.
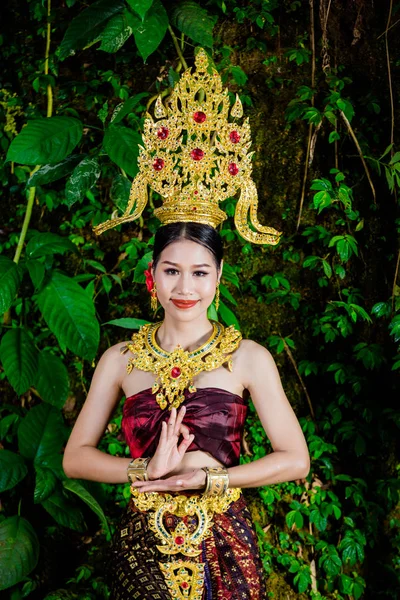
197, 154
179, 540
185, 585
163, 133
175, 372
158, 164
234, 137
233, 169
199, 116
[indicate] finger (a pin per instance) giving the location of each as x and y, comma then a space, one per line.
161, 486
185, 431
179, 419
185, 443
171, 421
163, 434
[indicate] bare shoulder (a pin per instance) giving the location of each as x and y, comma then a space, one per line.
114, 360
254, 358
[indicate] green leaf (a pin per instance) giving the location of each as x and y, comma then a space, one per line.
52, 380
77, 488
46, 244
83, 178
88, 25
120, 190
127, 323
10, 279
228, 317
226, 294
150, 31
142, 265
122, 146
46, 482
140, 6
127, 107
19, 357
115, 33
50, 173
19, 550
45, 141
62, 511
41, 433
194, 21
36, 271
12, 469
69, 312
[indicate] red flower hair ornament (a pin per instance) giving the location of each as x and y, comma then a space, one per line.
149, 278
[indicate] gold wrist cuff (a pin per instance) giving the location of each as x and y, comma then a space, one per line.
217, 481
137, 469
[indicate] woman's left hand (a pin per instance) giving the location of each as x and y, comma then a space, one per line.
192, 480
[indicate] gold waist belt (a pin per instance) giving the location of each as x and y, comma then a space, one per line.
184, 578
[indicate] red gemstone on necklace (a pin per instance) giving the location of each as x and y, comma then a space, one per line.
175, 372
185, 585
199, 116
197, 154
234, 137
179, 540
163, 133
158, 164
233, 169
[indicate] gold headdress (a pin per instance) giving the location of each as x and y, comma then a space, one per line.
195, 158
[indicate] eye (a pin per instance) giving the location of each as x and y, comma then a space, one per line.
201, 273
171, 271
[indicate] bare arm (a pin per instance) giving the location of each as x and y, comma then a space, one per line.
290, 459
82, 459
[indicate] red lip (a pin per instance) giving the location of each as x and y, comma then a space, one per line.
184, 303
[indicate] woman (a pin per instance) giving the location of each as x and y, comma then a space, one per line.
191, 436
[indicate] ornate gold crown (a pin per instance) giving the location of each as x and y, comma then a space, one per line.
195, 158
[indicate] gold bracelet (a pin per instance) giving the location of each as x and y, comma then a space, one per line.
137, 469
217, 481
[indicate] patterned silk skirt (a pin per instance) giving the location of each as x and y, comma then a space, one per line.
227, 564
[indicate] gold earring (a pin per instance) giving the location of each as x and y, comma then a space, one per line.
153, 300
217, 296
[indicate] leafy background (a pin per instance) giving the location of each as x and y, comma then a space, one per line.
318, 82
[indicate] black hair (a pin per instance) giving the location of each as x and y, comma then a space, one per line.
205, 235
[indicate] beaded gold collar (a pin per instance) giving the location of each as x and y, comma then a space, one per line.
175, 370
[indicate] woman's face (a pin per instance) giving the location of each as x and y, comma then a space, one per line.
186, 278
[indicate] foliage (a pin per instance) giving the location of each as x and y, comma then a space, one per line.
325, 301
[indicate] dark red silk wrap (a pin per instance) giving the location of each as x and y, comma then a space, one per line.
215, 416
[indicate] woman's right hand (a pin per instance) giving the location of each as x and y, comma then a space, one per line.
169, 454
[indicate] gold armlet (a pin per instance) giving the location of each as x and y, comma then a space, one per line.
217, 481
137, 469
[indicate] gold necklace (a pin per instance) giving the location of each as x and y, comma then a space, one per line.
175, 370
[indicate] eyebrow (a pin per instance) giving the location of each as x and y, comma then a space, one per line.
168, 262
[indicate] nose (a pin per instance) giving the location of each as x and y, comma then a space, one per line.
185, 285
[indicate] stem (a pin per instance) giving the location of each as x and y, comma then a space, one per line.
46, 61
390, 77
355, 140
27, 218
177, 47
395, 279
303, 385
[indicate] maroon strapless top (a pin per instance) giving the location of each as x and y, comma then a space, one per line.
215, 416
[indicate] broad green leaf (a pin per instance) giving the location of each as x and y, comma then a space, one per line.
226, 293
10, 279
83, 178
77, 488
46, 482
19, 357
36, 271
149, 31
69, 312
227, 315
64, 512
127, 323
7, 425
12, 469
52, 381
115, 33
50, 173
194, 21
41, 433
19, 550
140, 6
142, 265
122, 146
124, 109
46, 244
119, 193
45, 141
88, 25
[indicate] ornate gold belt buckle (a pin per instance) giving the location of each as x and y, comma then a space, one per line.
184, 578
